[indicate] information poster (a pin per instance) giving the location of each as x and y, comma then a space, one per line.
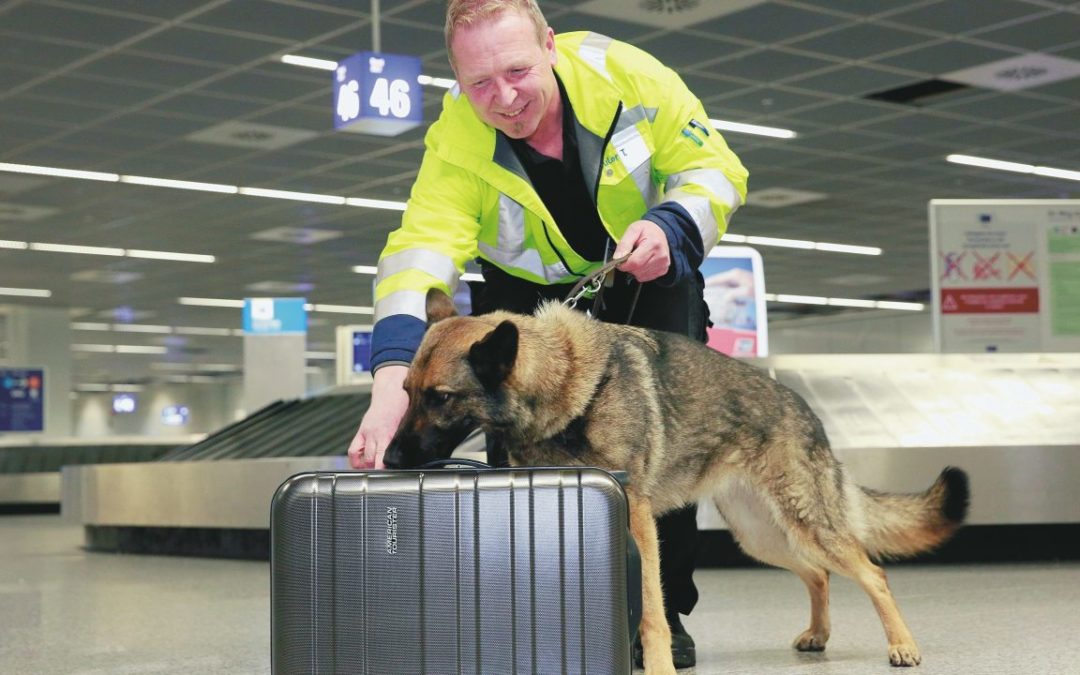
22, 399
1005, 275
735, 294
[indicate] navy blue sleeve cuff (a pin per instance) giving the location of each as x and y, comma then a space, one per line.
396, 338
684, 241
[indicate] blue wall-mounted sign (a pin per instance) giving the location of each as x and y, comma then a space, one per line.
377, 93
22, 399
361, 351
274, 316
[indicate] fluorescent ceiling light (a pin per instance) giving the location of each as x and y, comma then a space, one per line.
801, 243
308, 62
288, 194
27, 292
106, 250
140, 349
224, 302
147, 328
375, 203
1015, 167
211, 302
339, 309
211, 187
325, 64
59, 173
140, 328
844, 302
169, 255
66, 248
443, 82
754, 129
320, 356
775, 241
846, 248
101, 349
179, 184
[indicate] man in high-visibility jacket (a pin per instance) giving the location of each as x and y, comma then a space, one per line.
548, 153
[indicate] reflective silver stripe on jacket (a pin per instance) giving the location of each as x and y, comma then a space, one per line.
700, 209
593, 50
698, 206
713, 180
510, 250
631, 116
430, 262
412, 303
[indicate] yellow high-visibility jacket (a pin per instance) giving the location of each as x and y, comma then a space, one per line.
642, 136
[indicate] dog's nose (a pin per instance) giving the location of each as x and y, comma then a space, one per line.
392, 458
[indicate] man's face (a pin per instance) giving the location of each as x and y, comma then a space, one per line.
505, 74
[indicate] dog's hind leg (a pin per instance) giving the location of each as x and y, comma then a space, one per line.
754, 524
654, 630
813, 639
852, 561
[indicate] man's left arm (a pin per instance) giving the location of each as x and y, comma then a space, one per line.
703, 182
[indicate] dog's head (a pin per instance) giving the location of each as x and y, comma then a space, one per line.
455, 384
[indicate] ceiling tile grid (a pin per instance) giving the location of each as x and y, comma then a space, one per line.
143, 88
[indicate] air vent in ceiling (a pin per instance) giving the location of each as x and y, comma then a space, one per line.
105, 277
24, 213
665, 13
778, 198
1018, 72
250, 135
297, 235
919, 93
285, 287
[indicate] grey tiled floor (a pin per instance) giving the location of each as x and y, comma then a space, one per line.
63, 610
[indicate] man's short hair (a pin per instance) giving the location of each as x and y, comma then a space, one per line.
467, 12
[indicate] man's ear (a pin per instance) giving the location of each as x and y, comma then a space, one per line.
439, 306
493, 358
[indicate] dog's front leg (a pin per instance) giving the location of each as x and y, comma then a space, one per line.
655, 633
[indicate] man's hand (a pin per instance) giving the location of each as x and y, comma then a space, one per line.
388, 404
647, 245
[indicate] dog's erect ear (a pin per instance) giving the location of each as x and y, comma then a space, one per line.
492, 358
439, 306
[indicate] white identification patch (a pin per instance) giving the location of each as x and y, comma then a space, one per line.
631, 149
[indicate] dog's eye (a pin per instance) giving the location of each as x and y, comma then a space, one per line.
436, 398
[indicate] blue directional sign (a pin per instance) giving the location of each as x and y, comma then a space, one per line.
22, 399
361, 352
378, 93
274, 316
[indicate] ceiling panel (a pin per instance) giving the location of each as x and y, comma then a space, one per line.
121, 85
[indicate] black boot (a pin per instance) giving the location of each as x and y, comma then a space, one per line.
683, 653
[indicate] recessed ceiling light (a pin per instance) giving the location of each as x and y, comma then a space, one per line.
1015, 167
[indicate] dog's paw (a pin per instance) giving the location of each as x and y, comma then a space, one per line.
811, 642
904, 655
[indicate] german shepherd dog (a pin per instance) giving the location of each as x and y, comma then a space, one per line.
684, 422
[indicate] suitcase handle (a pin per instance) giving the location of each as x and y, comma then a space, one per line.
444, 463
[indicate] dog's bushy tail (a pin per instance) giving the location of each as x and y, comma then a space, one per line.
897, 526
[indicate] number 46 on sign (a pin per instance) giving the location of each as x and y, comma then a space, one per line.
376, 93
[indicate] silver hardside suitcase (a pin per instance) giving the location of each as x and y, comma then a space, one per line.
491, 571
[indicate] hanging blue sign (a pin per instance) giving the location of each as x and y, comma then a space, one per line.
274, 316
22, 399
377, 93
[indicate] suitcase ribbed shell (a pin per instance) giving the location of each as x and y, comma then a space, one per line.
450, 571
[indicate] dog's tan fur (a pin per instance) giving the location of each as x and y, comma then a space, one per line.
685, 423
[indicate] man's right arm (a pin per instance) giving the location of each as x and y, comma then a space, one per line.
380, 422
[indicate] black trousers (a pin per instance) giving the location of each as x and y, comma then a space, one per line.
678, 309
